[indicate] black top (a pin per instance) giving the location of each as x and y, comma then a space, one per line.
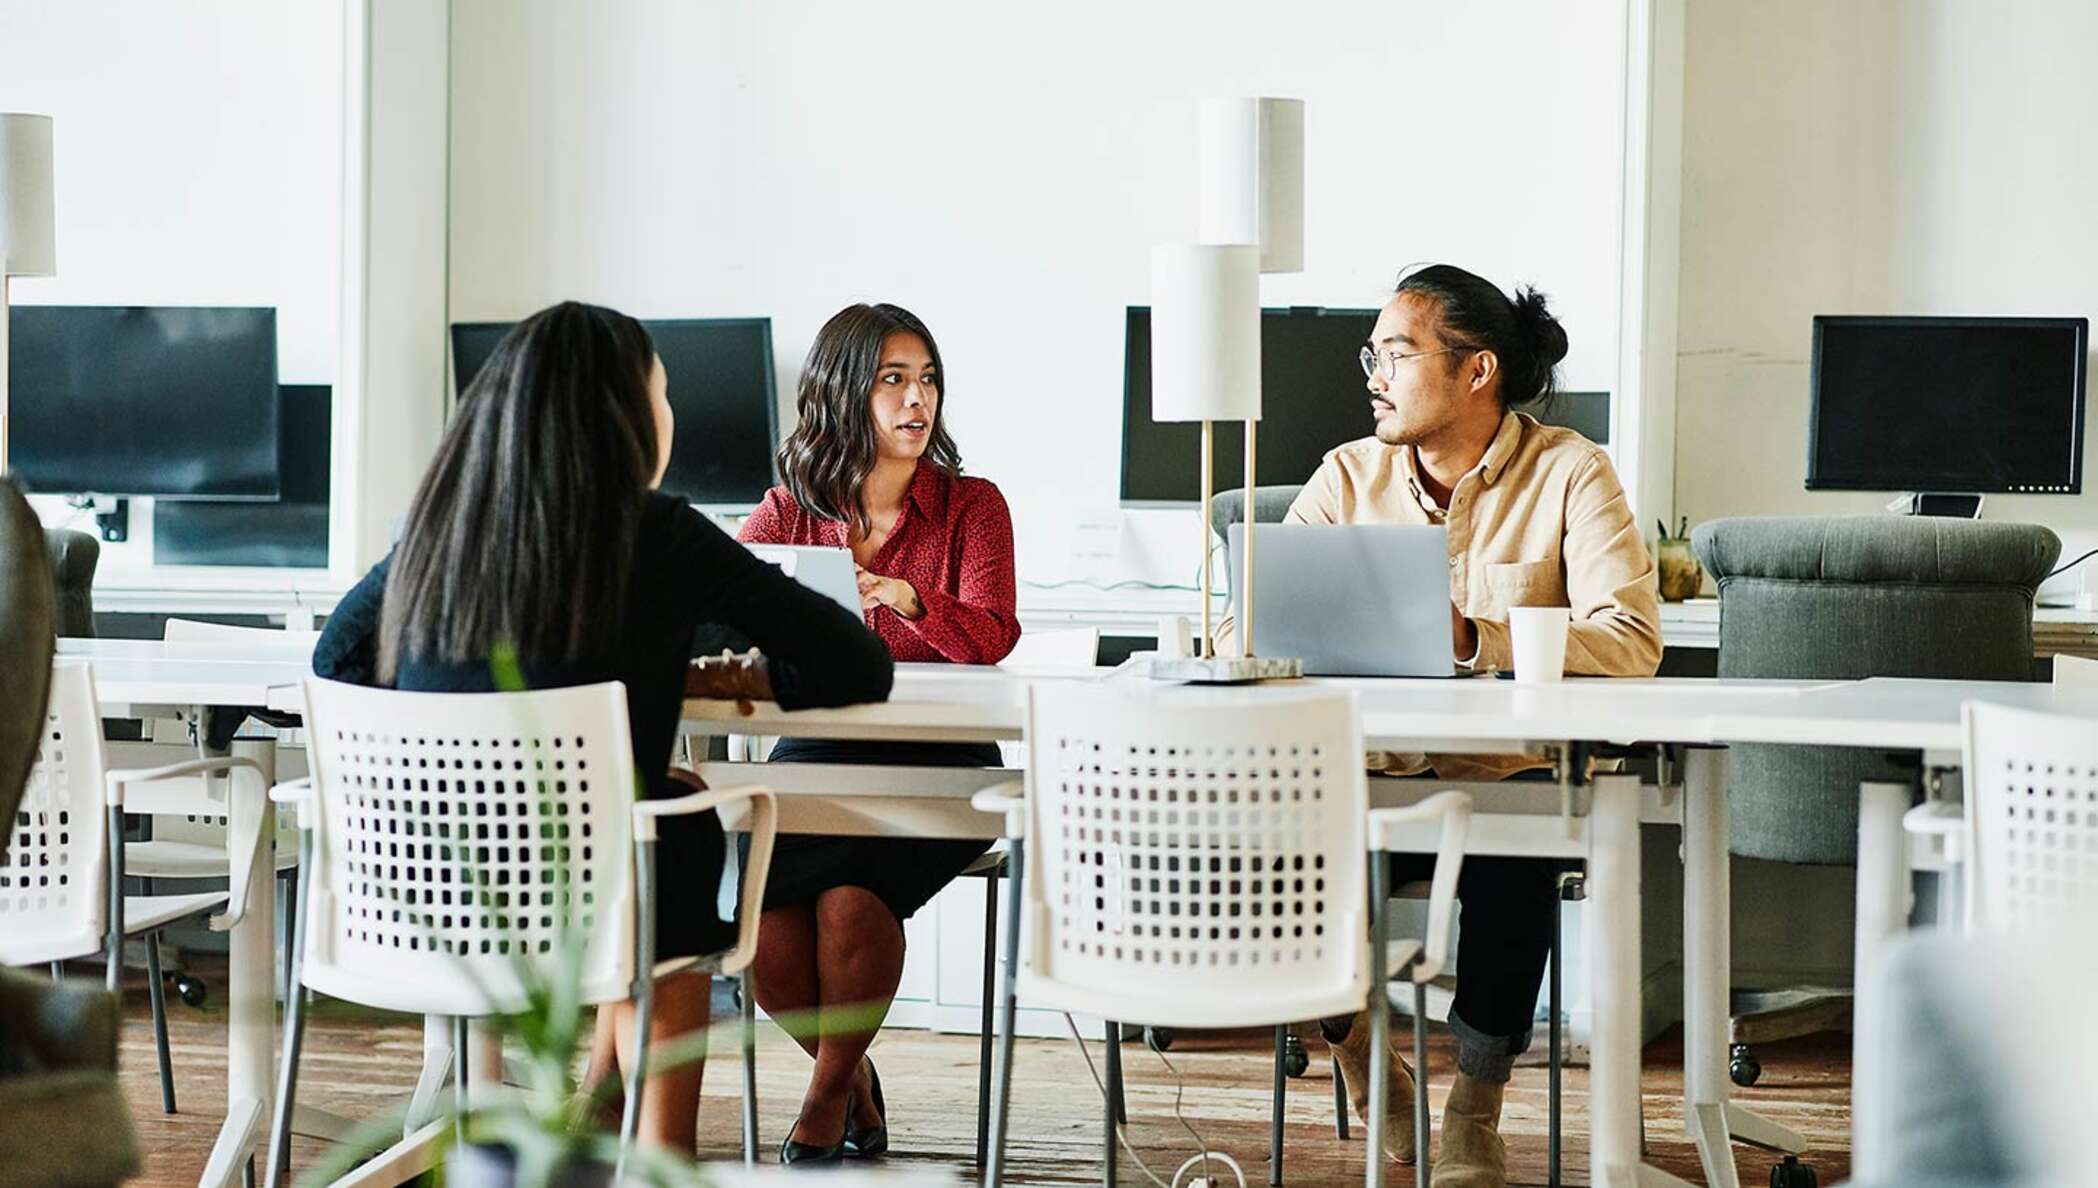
689, 573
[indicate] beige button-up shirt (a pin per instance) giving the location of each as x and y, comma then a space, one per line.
1540, 521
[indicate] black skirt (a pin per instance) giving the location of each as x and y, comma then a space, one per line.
690, 852
903, 872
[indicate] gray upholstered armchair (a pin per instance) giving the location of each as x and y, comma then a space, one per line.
63, 1120
1841, 598
73, 559
1270, 504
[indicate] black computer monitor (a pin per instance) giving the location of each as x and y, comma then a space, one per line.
290, 533
1966, 405
171, 402
1312, 399
721, 390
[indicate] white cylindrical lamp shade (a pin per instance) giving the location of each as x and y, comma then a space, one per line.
1253, 178
28, 237
1205, 332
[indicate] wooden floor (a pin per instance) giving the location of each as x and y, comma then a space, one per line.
362, 1064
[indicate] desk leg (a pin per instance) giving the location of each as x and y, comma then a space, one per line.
1883, 910
251, 1000
1712, 1120
1612, 933
1008, 1006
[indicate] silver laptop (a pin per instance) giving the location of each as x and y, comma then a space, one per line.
827, 571
1350, 599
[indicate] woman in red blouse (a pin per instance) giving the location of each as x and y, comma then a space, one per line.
872, 468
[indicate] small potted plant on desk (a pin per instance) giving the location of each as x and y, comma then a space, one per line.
1682, 578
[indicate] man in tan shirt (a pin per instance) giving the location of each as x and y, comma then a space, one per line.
1536, 517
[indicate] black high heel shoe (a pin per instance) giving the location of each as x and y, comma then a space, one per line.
791, 1152
873, 1141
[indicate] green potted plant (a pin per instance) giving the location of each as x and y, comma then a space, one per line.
1681, 577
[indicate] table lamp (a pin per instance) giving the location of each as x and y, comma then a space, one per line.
1205, 328
27, 245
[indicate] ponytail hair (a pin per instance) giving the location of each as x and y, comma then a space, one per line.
1475, 315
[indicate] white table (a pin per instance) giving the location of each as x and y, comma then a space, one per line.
945, 702
135, 677
974, 704
1695, 624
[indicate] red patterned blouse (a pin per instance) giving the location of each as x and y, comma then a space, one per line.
953, 543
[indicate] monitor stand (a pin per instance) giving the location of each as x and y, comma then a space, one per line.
1937, 503
112, 516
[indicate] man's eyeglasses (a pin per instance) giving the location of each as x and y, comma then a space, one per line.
1371, 359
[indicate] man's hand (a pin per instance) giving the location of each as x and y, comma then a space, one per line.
1464, 638
894, 593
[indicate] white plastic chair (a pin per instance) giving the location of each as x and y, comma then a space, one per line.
196, 630
1952, 830
1175, 862
61, 883
2079, 671
190, 845
451, 840
2031, 782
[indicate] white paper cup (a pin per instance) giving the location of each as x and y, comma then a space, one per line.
1537, 637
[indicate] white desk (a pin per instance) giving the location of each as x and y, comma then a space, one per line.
1130, 611
945, 702
948, 702
132, 677
1695, 624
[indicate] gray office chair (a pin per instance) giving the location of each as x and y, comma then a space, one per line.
1270, 505
1842, 598
74, 556
61, 1112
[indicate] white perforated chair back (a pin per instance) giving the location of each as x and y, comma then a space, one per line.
1063, 647
459, 834
2032, 801
54, 878
1194, 858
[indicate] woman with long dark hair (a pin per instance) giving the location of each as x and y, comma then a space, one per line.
537, 533
872, 468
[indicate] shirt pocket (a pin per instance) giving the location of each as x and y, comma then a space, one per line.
1523, 583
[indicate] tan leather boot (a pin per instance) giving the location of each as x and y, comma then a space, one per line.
1472, 1155
1353, 1053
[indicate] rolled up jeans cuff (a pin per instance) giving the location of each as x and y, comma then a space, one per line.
1484, 1057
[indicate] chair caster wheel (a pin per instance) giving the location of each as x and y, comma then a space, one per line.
1793, 1174
1159, 1039
1295, 1060
191, 990
1742, 1067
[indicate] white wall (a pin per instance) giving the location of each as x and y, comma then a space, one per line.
1003, 173
198, 161
1882, 156
393, 334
